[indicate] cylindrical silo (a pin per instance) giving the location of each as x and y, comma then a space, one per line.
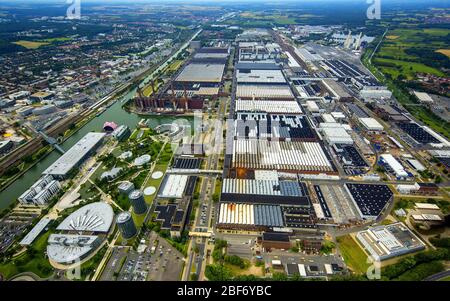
126, 224
137, 201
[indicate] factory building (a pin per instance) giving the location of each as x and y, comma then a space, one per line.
393, 165
41, 191
273, 127
265, 92
137, 200
126, 225
384, 242
375, 93
336, 135
72, 158
173, 186
281, 155
268, 106
371, 124
25, 111
234, 215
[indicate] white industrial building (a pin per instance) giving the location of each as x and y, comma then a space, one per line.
260, 77
336, 135
268, 106
372, 93
173, 186
264, 92
312, 106
383, 242
371, 124
75, 155
407, 188
250, 215
281, 155
423, 97
394, 165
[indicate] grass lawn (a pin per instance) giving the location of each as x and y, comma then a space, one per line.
154, 182
36, 264
30, 44
354, 256
445, 279
407, 68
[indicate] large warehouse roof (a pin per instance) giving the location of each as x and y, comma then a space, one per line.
262, 125
94, 217
284, 155
262, 187
248, 214
269, 106
75, 154
201, 73
173, 186
257, 66
264, 91
395, 165
371, 124
261, 76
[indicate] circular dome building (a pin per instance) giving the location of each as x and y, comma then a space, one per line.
109, 126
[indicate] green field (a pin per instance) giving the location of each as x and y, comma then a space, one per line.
408, 69
30, 44
30, 261
354, 256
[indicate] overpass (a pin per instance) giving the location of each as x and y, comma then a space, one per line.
201, 172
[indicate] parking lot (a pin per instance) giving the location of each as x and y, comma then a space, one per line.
161, 263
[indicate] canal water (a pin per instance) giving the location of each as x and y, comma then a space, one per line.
114, 113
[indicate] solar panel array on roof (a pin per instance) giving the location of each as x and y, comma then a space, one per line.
417, 133
370, 198
165, 214
187, 163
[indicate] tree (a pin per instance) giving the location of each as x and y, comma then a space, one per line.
218, 272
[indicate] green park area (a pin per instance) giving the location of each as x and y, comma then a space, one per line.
353, 255
30, 44
32, 260
39, 43
408, 51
